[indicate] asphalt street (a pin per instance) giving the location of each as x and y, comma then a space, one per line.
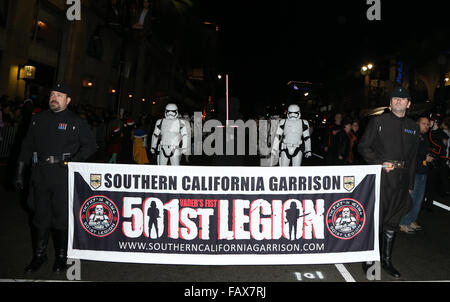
423, 256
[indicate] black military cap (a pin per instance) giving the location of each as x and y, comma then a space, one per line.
61, 87
400, 92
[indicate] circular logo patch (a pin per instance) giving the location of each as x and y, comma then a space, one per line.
99, 216
346, 218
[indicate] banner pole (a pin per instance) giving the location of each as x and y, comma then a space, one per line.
226, 96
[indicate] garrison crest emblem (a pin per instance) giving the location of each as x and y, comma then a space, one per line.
96, 181
349, 183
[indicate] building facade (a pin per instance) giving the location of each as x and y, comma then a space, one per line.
107, 62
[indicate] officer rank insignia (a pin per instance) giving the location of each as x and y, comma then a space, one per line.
62, 126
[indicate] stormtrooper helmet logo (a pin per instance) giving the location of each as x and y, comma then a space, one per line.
346, 218
293, 112
171, 111
99, 216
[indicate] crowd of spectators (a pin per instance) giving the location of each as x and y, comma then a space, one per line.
335, 141
15, 117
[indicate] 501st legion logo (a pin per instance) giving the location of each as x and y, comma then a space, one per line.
99, 216
345, 218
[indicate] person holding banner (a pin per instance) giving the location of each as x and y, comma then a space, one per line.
55, 137
391, 140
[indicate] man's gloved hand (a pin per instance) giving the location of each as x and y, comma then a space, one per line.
308, 154
18, 181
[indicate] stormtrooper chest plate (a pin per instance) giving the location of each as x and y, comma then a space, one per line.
170, 132
293, 132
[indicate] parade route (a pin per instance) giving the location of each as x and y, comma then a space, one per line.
419, 257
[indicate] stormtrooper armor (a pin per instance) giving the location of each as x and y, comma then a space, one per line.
170, 137
346, 222
98, 219
293, 134
190, 134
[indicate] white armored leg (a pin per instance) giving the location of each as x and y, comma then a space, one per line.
297, 160
284, 160
175, 158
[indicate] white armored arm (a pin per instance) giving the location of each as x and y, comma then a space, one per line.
156, 135
306, 138
278, 135
185, 136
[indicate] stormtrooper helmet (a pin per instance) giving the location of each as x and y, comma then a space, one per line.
346, 212
99, 210
293, 112
171, 111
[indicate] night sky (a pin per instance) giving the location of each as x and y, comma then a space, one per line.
264, 44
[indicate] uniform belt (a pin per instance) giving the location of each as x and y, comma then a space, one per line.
398, 163
292, 145
53, 159
50, 159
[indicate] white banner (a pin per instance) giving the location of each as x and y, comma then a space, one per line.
223, 215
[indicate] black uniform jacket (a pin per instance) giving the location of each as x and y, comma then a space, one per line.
388, 137
54, 134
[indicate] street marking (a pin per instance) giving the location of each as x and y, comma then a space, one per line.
344, 272
441, 205
311, 275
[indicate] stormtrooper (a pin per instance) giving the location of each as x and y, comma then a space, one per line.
98, 219
170, 137
346, 223
293, 136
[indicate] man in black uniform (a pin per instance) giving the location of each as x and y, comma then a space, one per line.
54, 137
391, 140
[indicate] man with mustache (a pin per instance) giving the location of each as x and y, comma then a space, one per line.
55, 136
392, 140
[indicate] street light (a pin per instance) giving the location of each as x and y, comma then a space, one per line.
366, 68
365, 71
26, 72
87, 83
